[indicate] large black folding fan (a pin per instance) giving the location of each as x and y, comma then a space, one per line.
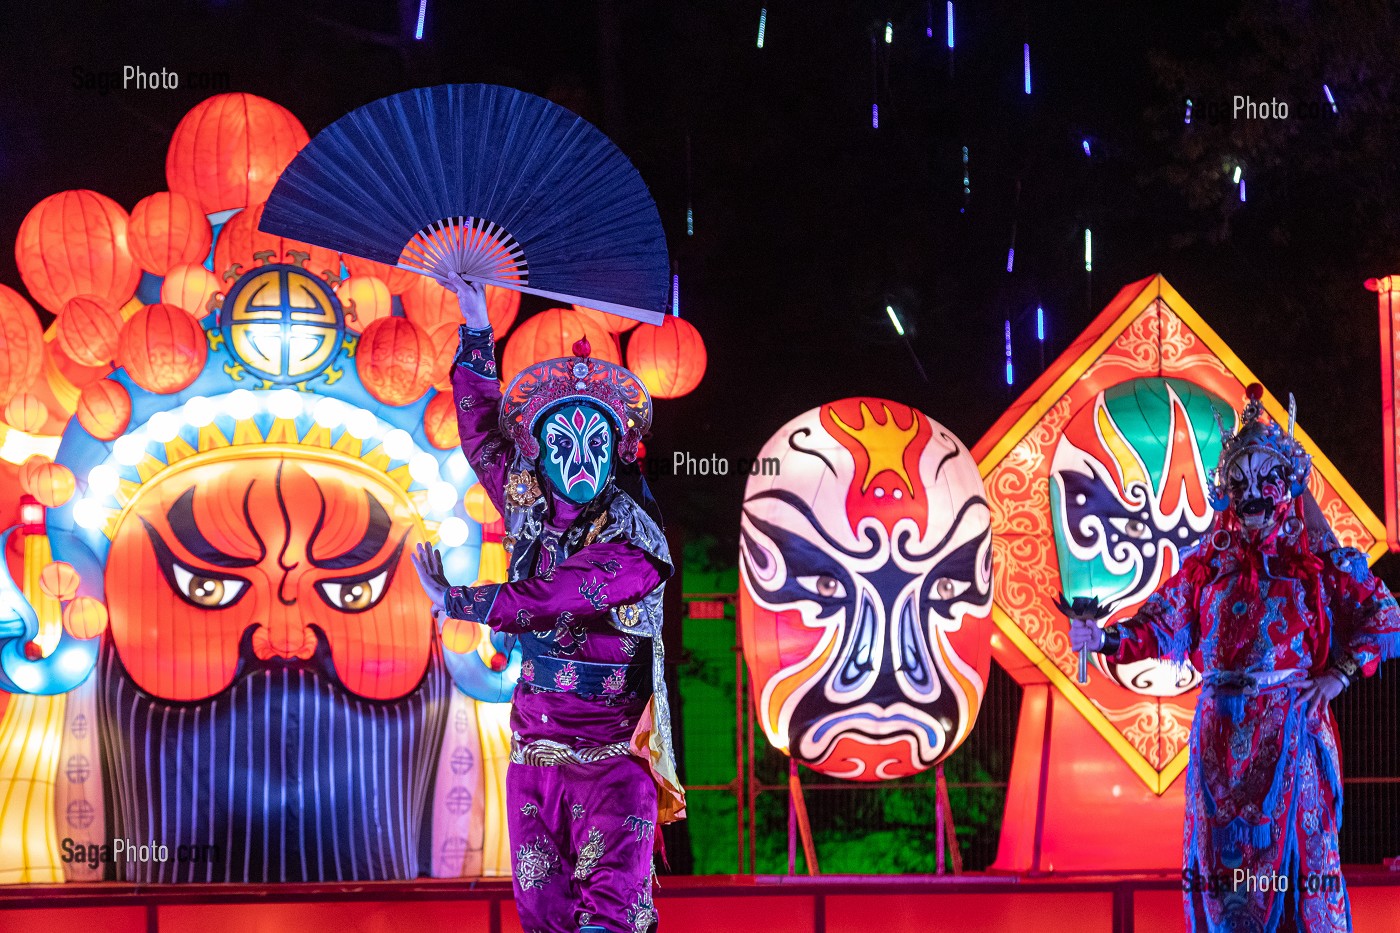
504, 186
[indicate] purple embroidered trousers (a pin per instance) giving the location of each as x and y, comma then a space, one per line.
582, 836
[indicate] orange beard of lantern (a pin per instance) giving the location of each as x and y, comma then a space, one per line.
300, 551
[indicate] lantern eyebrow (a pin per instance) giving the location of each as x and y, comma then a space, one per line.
187, 533
803, 509
371, 544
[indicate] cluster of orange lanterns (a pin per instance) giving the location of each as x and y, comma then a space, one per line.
82, 256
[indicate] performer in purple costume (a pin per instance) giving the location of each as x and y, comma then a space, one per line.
592, 771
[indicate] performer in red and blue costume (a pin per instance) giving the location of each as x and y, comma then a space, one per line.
592, 772
1280, 620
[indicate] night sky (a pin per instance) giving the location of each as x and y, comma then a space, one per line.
807, 220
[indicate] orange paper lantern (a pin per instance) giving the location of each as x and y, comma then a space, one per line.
479, 505
460, 636
59, 580
87, 330
162, 348
167, 229
21, 344
440, 422
429, 305
51, 483
104, 409
65, 376
670, 359
552, 334
366, 299
395, 360
189, 286
444, 341
502, 306
85, 617
75, 243
398, 280
229, 149
615, 323
240, 241
26, 412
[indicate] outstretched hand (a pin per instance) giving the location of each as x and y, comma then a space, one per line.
471, 296
1321, 690
1085, 633
428, 562
1084, 613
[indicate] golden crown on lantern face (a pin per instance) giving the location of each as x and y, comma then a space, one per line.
543, 386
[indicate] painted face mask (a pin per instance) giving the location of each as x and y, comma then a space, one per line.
1129, 498
1263, 468
865, 569
576, 450
1259, 489
301, 552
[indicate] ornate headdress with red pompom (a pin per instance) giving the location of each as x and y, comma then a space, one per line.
1257, 435
578, 378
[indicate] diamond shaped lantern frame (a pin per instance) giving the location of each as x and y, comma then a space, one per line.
1148, 330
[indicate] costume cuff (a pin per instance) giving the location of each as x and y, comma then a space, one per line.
1112, 638
1346, 665
476, 350
471, 603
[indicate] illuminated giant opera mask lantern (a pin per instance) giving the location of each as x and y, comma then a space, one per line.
270, 558
1129, 497
865, 561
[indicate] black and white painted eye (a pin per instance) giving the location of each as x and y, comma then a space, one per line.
823, 585
1134, 528
944, 589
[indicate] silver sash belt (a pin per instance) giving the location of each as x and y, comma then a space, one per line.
1251, 683
549, 752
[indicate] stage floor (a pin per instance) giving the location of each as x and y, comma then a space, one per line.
715, 904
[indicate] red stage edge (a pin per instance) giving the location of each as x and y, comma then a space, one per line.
1147, 903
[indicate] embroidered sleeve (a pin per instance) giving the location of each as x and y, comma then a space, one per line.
476, 394
471, 603
599, 577
1365, 617
1167, 624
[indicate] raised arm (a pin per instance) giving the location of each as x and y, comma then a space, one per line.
476, 390
599, 577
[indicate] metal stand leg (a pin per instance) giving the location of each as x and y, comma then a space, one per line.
798, 814
945, 830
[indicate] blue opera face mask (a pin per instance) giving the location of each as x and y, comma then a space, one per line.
576, 450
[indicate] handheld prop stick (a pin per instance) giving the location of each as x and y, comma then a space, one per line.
1083, 608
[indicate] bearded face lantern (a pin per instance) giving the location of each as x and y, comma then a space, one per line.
1129, 498
866, 589
291, 556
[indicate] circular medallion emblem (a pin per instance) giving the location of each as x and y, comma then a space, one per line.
283, 323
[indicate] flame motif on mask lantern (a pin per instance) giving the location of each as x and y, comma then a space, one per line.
866, 588
1128, 498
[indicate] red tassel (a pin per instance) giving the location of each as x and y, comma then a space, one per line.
582, 347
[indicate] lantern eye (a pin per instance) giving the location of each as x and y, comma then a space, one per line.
354, 595
361, 592
206, 592
823, 585
1134, 528
946, 588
